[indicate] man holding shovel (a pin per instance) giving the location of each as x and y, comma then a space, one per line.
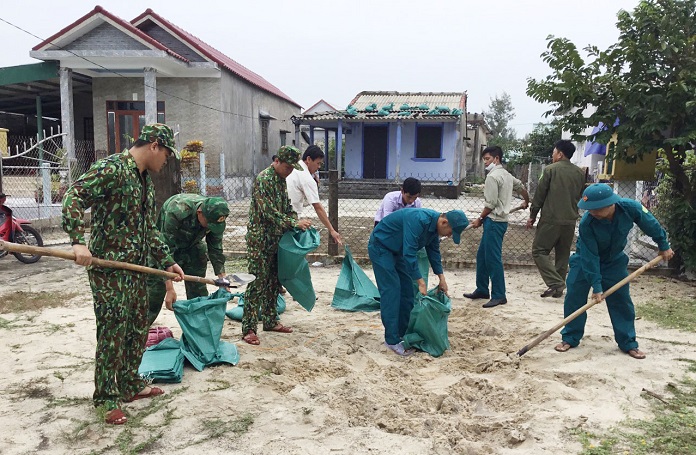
122, 197
599, 262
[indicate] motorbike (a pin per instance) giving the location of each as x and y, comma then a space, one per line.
18, 230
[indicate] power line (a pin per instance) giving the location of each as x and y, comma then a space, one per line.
194, 103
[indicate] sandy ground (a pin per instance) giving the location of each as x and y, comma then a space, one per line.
331, 386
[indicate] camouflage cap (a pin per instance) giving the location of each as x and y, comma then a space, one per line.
215, 210
290, 155
162, 134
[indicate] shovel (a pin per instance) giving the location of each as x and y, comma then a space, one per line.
232, 281
588, 305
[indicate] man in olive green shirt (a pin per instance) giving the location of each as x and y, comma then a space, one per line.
185, 221
560, 188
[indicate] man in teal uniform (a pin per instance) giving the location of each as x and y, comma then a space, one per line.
270, 216
184, 221
497, 195
392, 247
599, 262
122, 197
557, 195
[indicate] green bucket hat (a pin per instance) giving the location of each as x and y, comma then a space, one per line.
290, 155
597, 196
215, 210
162, 134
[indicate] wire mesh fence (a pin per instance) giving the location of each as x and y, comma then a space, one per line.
36, 182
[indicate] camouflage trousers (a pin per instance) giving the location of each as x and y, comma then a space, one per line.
262, 293
193, 261
120, 308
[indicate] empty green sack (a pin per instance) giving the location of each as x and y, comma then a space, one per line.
201, 320
293, 269
354, 290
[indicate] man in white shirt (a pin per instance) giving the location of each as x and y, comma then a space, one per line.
303, 190
396, 200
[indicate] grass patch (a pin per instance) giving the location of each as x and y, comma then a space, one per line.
671, 432
236, 265
20, 301
220, 384
670, 312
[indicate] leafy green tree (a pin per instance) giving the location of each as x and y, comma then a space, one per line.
646, 81
538, 145
498, 116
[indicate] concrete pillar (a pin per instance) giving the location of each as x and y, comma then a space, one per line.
39, 127
326, 149
339, 148
67, 113
150, 96
397, 169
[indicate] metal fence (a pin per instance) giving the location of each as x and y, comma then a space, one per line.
37, 185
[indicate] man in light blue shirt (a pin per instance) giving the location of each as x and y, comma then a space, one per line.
396, 200
392, 247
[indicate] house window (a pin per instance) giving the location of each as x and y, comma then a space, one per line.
264, 135
124, 120
429, 141
283, 138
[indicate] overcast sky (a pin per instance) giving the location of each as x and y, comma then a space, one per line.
335, 49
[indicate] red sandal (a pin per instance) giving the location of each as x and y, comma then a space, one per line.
153, 392
279, 328
251, 338
115, 417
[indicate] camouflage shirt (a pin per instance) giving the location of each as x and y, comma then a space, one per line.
180, 228
123, 212
270, 212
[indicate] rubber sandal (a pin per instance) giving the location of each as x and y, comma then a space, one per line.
636, 353
399, 349
153, 392
251, 338
562, 347
279, 328
115, 417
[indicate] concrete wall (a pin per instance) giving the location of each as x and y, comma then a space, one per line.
241, 128
105, 37
195, 122
427, 170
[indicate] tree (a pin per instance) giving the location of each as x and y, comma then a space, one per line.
498, 116
538, 145
643, 88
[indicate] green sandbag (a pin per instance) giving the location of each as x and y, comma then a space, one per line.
201, 320
163, 362
237, 312
354, 290
293, 269
427, 325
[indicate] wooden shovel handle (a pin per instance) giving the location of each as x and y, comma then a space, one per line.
62, 254
588, 305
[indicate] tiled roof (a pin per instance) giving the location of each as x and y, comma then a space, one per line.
451, 100
205, 49
396, 105
47, 43
215, 55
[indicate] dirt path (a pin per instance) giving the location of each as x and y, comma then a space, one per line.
331, 387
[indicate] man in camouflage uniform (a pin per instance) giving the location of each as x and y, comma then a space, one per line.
270, 216
122, 197
184, 220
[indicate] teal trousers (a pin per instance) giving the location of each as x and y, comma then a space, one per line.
489, 260
620, 306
